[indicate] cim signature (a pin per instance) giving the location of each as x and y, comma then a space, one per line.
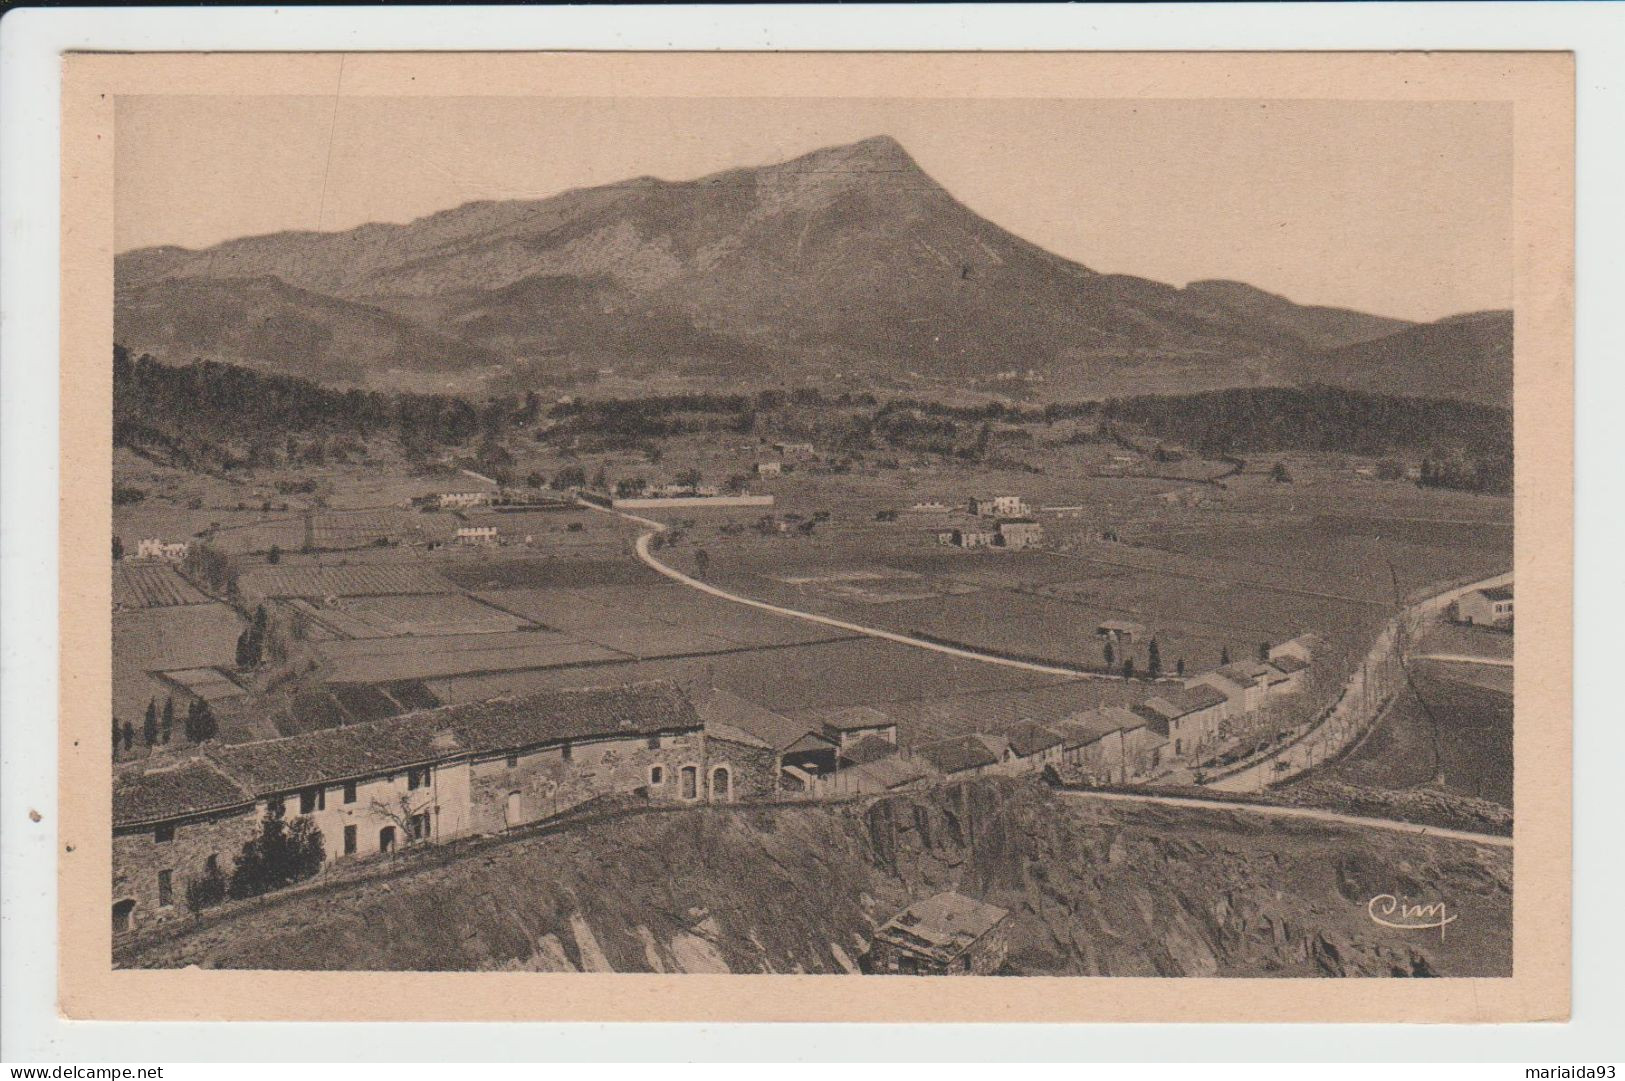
1390, 911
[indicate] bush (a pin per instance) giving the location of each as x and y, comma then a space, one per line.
284, 853
208, 891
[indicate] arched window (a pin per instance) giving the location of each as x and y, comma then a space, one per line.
657, 775
122, 913
721, 785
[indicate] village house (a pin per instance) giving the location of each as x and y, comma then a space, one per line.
961, 757
999, 506
155, 548
800, 451
1189, 718
1292, 668
1484, 607
1110, 745
949, 934
1019, 533
1121, 631
769, 469
974, 538
476, 534
430, 776
931, 507
773, 753
854, 723
1032, 747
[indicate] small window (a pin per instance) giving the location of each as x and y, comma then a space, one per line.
654, 742
121, 915
418, 825
166, 888
417, 778
163, 834
566, 752
513, 761
349, 791
657, 774
349, 840
690, 778
274, 805
312, 800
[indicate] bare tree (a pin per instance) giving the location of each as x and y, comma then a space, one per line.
401, 812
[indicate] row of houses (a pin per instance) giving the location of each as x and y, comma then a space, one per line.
1011, 533
150, 549
480, 768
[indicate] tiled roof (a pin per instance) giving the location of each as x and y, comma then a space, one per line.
762, 726
869, 749
1031, 739
1497, 593
1163, 708
501, 724
1200, 696
957, 755
893, 772
190, 787
942, 926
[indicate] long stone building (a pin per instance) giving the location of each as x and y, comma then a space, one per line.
431, 776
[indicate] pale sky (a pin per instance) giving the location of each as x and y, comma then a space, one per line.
1396, 208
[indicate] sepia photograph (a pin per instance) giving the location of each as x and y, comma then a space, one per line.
999, 535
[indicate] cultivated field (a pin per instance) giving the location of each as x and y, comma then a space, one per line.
152, 585
1450, 735
151, 640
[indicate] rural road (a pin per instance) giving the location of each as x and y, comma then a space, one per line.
1310, 813
1461, 658
1342, 727
828, 621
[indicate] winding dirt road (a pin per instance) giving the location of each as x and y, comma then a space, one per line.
676, 575
1309, 813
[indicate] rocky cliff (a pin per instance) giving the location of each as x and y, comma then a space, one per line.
1094, 889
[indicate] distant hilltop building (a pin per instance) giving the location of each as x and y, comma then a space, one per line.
1000, 506
463, 500
1019, 533
154, 548
1484, 607
794, 450
769, 469
476, 534
946, 935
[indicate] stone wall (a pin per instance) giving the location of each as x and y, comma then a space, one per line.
753, 771
138, 858
542, 783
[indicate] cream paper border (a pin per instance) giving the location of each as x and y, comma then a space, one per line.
1539, 85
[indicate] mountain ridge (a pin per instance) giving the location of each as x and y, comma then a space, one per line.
845, 263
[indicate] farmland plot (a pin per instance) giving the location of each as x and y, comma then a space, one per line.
383, 660
411, 615
348, 580
151, 640
152, 585
851, 672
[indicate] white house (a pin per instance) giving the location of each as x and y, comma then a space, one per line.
476, 534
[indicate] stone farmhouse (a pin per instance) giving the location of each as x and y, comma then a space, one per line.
946, 935
431, 776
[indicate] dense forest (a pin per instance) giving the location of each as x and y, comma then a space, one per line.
214, 416
211, 415
1466, 445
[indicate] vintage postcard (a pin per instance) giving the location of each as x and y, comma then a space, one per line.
735, 536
